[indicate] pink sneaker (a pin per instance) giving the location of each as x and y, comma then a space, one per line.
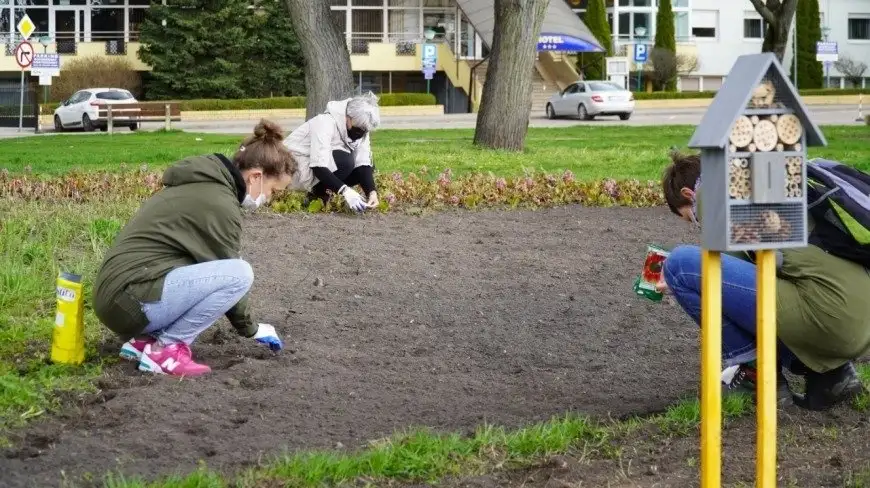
174, 359
132, 349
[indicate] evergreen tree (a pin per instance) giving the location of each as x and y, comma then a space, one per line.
274, 63
199, 52
593, 64
666, 38
808, 21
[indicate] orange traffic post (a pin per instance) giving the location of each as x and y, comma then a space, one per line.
711, 369
765, 460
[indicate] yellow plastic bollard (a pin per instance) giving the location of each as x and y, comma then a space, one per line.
765, 459
711, 369
68, 341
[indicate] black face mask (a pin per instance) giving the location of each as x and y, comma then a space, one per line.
355, 133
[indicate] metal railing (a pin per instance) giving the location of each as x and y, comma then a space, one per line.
114, 43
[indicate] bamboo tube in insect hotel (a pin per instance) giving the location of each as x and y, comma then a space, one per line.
68, 340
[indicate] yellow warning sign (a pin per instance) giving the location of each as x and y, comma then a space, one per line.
26, 27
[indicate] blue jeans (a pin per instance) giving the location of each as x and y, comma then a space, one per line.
682, 273
195, 297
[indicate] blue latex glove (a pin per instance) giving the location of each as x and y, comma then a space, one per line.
266, 335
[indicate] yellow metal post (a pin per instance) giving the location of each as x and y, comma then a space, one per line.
711, 369
765, 468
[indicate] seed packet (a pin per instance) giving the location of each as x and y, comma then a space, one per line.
645, 284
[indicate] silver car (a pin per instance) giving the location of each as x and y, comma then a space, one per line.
590, 98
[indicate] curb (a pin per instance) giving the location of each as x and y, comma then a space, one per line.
289, 113
705, 102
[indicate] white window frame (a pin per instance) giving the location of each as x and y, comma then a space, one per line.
717, 27
856, 16
753, 16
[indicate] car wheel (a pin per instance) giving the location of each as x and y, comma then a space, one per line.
134, 127
58, 125
87, 125
583, 114
625, 116
551, 114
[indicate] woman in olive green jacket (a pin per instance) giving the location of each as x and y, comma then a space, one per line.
175, 269
823, 314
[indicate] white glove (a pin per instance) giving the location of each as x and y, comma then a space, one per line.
266, 335
354, 200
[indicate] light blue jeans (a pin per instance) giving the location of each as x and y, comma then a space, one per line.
682, 272
195, 297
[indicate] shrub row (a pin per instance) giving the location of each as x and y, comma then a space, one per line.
409, 192
711, 94
385, 100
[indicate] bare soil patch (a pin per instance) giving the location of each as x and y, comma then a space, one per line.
443, 320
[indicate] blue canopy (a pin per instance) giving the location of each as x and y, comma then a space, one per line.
562, 29
560, 42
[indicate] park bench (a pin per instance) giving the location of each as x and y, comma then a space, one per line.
133, 114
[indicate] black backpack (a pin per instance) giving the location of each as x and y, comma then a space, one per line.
838, 200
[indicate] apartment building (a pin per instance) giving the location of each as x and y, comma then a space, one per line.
717, 32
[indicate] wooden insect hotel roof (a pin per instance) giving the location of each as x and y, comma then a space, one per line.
732, 99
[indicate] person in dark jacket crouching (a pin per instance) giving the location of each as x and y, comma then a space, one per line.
175, 269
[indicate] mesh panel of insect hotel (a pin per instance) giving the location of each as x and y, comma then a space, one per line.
753, 142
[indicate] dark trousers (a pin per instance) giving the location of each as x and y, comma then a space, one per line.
345, 173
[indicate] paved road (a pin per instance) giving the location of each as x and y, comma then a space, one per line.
823, 115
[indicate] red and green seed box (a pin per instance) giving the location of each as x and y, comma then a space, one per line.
645, 284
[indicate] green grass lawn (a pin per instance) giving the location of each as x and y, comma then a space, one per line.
590, 152
37, 239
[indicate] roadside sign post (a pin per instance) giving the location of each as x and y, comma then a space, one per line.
430, 58
827, 52
24, 57
641, 54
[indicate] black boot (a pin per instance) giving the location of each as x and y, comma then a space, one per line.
824, 390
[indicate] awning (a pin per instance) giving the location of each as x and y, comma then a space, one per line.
562, 29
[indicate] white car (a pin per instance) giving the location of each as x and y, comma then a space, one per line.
81, 110
591, 98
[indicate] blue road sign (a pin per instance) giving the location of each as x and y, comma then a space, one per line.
641, 53
430, 56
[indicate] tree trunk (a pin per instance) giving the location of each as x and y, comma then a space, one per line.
778, 14
328, 75
506, 101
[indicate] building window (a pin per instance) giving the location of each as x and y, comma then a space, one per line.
753, 27
135, 17
859, 28
107, 23
681, 26
705, 24
403, 24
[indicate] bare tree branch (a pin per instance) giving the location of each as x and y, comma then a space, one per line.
764, 11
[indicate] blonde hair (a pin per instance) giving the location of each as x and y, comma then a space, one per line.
265, 149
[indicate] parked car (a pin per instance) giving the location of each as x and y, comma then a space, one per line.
590, 98
81, 110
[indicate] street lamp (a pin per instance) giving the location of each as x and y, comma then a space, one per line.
825, 31
639, 34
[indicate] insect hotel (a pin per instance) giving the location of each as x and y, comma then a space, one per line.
753, 141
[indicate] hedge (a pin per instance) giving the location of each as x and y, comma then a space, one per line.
711, 94
385, 100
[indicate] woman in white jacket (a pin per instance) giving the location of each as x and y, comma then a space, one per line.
333, 152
